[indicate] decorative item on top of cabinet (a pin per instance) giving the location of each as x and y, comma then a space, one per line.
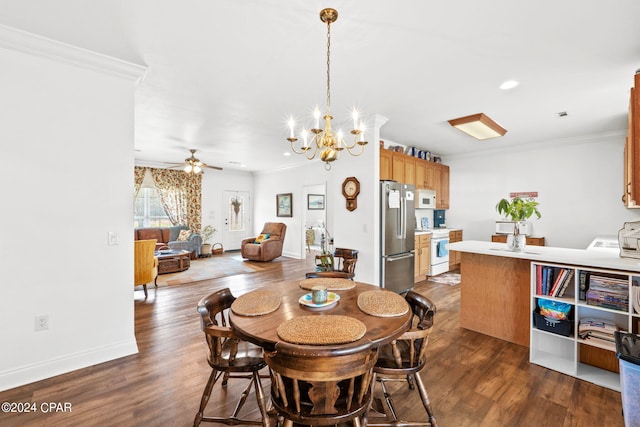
455, 256
631, 192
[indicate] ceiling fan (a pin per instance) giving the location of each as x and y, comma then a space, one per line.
192, 164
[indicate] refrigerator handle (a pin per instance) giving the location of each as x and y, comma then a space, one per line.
403, 222
392, 258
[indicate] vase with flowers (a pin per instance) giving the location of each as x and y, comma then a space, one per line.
518, 210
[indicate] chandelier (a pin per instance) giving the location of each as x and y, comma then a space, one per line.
327, 141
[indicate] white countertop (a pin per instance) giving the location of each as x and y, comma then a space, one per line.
430, 230
608, 259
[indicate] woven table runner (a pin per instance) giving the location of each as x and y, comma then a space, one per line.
321, 330
256, 303
331, 283
382, 303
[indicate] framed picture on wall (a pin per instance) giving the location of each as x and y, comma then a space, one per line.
315, 202
284, 204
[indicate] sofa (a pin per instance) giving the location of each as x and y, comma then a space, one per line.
265, 249
167, 238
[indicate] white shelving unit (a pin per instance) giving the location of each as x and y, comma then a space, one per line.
562, 353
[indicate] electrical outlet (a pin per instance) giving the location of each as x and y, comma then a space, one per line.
42, 322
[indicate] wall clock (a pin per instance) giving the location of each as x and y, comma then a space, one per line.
350, 191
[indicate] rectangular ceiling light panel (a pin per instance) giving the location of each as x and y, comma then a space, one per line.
479, 126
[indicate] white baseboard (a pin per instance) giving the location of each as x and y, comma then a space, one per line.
50, 368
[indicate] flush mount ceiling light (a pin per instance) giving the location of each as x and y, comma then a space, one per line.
479, 126
328, 142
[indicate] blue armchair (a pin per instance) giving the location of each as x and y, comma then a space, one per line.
192, 244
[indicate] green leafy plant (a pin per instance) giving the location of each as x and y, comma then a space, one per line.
207, 232
518, 209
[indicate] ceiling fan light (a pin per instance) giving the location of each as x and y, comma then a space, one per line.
479, 126
188, 168
196, 169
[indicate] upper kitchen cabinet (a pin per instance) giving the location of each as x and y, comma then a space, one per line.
423, 174
385, 165
397, 167
631, 194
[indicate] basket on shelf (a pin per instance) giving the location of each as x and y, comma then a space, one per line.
217, 249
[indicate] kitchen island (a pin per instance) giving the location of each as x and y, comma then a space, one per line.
495, 293
500, 289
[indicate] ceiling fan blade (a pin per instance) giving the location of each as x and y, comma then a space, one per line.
211, 167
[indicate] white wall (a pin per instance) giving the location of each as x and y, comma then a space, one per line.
357, 229
214, 184
65, 126
579, 183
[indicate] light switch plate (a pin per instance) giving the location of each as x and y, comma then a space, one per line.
112, 238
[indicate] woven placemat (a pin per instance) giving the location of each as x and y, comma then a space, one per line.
382, 303
256, 303
321, 330
331, 283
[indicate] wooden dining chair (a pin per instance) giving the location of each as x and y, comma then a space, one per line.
403, 359
320, 385
229, 357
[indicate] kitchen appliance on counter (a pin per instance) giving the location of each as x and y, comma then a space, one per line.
629, 240
439, 252
507, 227
397, 222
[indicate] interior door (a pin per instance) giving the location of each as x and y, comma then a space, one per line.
237, 219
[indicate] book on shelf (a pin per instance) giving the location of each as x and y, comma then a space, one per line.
584, 284
566, 282
557, 280
608, 292
553, 281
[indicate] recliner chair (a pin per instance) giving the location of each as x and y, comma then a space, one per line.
267, 249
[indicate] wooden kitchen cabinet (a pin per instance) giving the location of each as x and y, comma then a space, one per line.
631, 192
397, 167
442, 193
422, 258
423, 174
531, 240
455, 256
385, 165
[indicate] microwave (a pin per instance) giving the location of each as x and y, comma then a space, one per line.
507, 227
425, 199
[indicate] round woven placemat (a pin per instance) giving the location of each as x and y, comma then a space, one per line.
382, 303
331, 283
321, 330
256, 303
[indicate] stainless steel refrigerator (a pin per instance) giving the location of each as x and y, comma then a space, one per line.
397, 222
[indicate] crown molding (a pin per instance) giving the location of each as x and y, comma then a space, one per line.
25, 42
552, 143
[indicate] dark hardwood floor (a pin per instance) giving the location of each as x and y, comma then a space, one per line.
472, 379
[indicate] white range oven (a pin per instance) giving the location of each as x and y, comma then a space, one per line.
439, 252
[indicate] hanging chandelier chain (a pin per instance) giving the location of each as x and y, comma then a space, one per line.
326, 141
329, 68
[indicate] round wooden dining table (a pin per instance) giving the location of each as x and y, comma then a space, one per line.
262, 330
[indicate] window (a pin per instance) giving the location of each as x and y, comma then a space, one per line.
148, 210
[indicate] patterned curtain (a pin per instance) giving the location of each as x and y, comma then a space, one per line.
181, 196
138, 174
